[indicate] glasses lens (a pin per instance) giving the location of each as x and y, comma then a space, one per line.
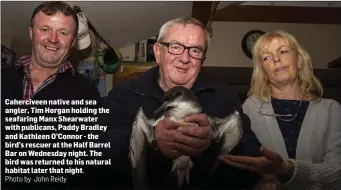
196, 53
176, 49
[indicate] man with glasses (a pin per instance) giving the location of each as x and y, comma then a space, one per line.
180, 51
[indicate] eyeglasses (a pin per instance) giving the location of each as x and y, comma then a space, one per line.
178, 49
283, 117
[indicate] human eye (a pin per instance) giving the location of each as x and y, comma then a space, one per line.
284, 51
196, 51
265, 57
44, 29
175, 46
64, 33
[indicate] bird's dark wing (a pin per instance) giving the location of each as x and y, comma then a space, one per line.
228, 131
142, 133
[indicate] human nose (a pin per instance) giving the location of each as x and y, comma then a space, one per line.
276, 57
53, 37
184, 57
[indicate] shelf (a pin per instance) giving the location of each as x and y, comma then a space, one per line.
131, 70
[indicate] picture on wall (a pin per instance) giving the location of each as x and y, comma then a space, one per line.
7, 57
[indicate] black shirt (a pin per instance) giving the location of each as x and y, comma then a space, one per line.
290, 126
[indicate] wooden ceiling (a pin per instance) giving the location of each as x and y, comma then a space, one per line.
279, 14
262, 13
201, 10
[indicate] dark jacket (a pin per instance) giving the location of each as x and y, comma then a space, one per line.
66, 86
217, 100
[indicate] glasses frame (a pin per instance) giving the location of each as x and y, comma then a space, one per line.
167, 44
279, 116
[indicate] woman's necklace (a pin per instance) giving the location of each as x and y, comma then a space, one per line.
283, 117
292, 117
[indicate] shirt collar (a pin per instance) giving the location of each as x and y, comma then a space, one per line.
24, 62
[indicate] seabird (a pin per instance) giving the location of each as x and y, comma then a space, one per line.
179, 103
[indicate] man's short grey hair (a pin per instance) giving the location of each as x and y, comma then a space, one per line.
183, 21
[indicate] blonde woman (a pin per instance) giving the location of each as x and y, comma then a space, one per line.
300, 130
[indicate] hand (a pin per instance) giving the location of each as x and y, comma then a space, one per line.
271, 162
165, 133
266, 182
192, 140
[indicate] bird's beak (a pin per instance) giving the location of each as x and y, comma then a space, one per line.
160, 109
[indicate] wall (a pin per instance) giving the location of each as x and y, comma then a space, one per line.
128, 53
323, 42
6, 40
20, 46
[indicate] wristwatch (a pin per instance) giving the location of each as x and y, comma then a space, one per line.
285, 178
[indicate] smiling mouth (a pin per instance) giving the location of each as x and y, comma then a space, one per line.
181, 69
51, 48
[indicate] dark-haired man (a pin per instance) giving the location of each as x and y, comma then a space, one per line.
45, 75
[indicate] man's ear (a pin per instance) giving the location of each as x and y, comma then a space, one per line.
30, 30
157, 52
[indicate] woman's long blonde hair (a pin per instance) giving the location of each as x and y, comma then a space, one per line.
310, 86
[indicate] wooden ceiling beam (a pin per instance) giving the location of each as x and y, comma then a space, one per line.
201, 10
336, 63
279, 14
